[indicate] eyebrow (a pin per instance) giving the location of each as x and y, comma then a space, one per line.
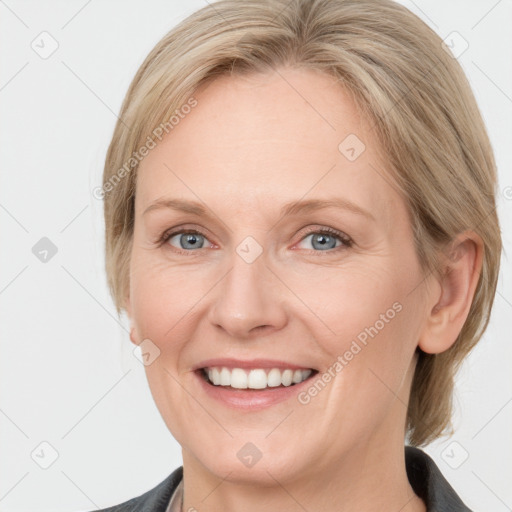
292, 208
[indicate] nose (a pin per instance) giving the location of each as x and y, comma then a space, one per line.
249, 300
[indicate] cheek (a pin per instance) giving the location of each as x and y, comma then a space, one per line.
164, 298
368, 316
349, 300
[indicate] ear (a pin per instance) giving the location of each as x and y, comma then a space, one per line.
449, 307
128, 308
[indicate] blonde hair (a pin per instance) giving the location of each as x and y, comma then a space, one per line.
413, 92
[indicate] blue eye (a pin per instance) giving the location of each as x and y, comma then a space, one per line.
326, 239
192, 240
323, 241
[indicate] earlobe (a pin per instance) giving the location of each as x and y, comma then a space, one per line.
458, 281
133, 337
127, 307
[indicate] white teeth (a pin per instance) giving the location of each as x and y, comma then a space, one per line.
286, 377
297, 376
255, 379
274, 378
215, 376
306, 374
238, 379
225, 377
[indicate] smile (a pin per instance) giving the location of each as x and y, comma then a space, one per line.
256, 378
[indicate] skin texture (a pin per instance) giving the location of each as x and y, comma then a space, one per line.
251, 145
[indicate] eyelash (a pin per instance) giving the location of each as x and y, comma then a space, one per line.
347, 242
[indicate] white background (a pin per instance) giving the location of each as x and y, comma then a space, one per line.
68, 374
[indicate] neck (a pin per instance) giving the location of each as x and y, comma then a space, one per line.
366, 480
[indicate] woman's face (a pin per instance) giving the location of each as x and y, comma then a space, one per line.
331, 284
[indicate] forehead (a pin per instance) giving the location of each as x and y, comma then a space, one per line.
272, 137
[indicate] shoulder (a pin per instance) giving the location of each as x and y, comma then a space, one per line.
429, 483
154, 500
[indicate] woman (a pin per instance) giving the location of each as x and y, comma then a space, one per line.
301, 225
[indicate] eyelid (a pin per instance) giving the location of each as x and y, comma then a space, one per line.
179, 230
331, 231
346, 241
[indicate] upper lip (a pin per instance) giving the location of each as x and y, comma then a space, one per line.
250, 364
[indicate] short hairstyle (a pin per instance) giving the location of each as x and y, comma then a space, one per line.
410, 89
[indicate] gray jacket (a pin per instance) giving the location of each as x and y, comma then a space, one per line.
424, 477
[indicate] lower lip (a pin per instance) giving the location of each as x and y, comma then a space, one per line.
252, 399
